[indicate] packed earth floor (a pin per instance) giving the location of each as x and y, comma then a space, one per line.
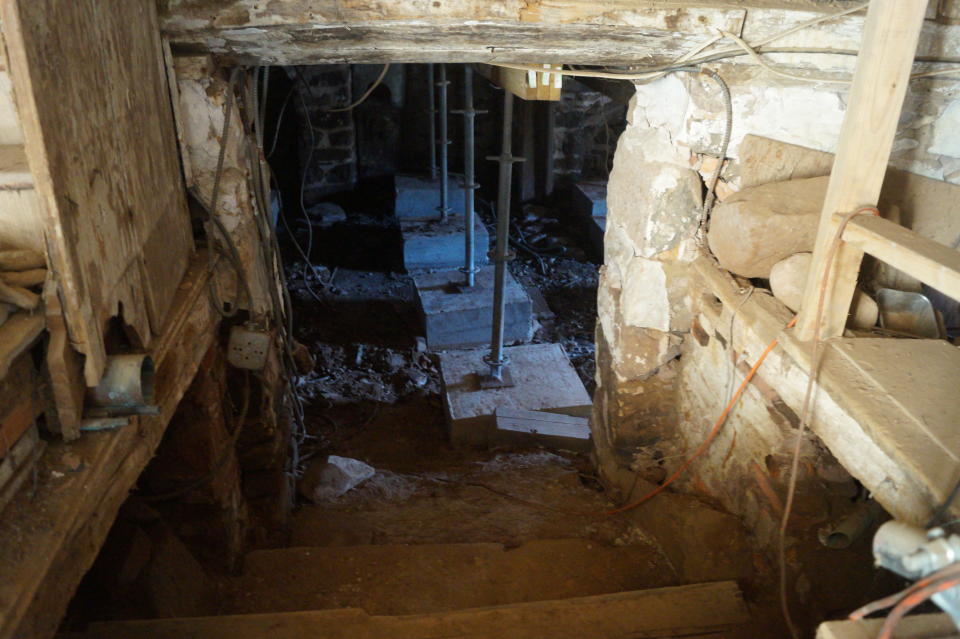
439, 528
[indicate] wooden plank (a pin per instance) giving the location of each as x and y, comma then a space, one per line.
104, 161
538, 427
15, 467
526, 85
697, 610
867, 418
48, 542
887, 50
929, 626
928, 261
64, 367
15, 423
17, 334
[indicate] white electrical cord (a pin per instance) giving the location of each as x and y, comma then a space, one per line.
688, 59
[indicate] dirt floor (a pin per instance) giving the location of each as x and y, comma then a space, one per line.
439, 528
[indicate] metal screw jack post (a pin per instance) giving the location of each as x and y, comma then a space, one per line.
469, 268
444, 141
433, 122
499, 375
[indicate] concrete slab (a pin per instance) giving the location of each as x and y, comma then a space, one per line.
537, 427
418, 198
455, 317
590, 199
543, 380
438, 246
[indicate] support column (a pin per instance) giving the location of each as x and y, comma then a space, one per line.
496, 359
433, 122
444, 144
888, 47
469, 183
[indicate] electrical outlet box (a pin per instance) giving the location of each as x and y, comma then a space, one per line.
248, 348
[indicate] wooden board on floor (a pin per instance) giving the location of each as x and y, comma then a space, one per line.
935, 626
100, 140
682, 611
49, 540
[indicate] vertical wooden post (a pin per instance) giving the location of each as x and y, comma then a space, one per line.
887, 50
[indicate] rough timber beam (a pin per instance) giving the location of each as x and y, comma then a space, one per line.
576, 31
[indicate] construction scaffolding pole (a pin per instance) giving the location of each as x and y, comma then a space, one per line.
444, 207
433, 122
496, 359
469, 179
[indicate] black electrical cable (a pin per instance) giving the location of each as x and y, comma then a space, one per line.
942, 510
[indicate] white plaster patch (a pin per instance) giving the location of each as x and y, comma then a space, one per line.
803, 115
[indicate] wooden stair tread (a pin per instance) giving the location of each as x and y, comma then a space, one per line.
681, 611
426, 578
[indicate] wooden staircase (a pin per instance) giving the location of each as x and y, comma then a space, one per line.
701, 610
558, 588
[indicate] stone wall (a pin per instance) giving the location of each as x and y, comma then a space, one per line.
662, 378
587, 125
331, 162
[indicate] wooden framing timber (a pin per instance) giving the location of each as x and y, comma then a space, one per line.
104, 163
876, 98
928, 261
526, 85
895, 435
636, 32
50, 534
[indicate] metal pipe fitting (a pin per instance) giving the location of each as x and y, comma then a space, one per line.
127, 384
842, 533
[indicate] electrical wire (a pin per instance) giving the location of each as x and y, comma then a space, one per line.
754, 50
214, 221
367, 93
718, 425
710, 198
805, 412
944, 507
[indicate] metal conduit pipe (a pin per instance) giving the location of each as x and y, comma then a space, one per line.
433, 122
444, 143
469, 184
496, 359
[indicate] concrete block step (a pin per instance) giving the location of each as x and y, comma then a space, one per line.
460, 317
418, 198
542, 377
699, 610
439, 246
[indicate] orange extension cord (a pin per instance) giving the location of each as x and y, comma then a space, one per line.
713, 433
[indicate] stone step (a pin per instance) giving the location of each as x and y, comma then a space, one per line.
699, 610
414, 579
